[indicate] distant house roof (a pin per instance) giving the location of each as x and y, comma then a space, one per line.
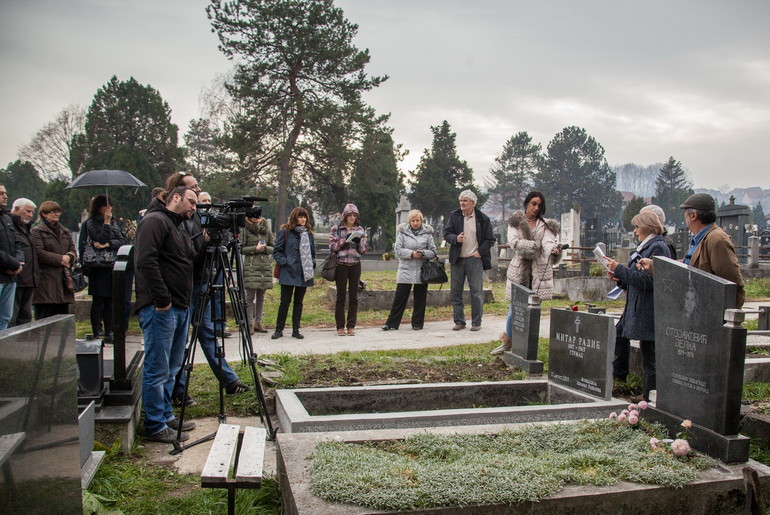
628, 195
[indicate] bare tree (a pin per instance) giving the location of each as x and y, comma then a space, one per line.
49, 150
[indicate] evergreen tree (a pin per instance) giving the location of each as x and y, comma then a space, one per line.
672, 187
758, 214
630, 211
299, 68
513, 170
575, 172
22, 180
376, 183
127, 114
441, 176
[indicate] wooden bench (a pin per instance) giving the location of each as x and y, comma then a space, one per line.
235, 460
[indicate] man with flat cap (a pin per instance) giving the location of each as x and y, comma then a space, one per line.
711, 249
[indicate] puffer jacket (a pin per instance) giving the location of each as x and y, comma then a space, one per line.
532, 262
406, 243
257, 266
51, 243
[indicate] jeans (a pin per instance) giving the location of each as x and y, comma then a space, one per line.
165, 335
7, 299
347, 283
208, 342
287, 292
472, 269
399, 305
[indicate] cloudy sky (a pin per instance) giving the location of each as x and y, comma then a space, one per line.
648, 80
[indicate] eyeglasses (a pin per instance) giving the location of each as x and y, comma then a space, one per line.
54, 212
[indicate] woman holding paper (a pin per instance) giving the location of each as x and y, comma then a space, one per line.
637, 322
348, 240
532, 240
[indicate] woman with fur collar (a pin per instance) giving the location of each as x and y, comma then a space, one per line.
414, 245
533, 241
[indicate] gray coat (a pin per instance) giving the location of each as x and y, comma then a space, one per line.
257, 266
406, 242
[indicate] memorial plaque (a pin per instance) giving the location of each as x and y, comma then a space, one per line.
699, 360
525, 330
39, 449
581, 351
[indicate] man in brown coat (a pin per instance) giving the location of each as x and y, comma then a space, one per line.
711, 249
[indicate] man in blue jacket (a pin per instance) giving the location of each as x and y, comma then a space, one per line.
469, 232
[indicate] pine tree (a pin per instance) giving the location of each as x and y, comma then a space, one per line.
631, 210
513, 170
758, 214
672, 187
440, 176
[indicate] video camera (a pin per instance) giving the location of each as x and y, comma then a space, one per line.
231, 215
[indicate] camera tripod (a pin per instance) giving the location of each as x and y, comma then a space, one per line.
216, 263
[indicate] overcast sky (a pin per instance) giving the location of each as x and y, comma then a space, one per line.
649, 80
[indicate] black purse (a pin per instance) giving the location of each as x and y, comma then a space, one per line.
432, 272
97, 258
74, 280
329, 267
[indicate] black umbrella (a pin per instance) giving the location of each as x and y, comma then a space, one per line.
106, 178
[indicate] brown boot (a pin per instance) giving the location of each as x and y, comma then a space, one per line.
504, 346
259, 328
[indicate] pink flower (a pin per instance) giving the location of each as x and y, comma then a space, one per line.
687, 424
680, 447
633, 419
625, 412
654, 443
621, 417
643, 405
634, 412
613, 415
632, 407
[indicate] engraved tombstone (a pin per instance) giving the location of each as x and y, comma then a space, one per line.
525, 330
581, 351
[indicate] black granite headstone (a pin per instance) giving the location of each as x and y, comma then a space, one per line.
581, 351
39, 434
699, 365
525, 330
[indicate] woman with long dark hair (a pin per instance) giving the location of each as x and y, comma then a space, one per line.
55, 253
294, 253
101, 231
348, 241
533, 241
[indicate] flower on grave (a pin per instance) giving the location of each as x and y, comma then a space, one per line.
643, 405
613, 415
654, 442
633, 412
633, 419
625, 412
622, 417
680, 447
632, 407
687, 424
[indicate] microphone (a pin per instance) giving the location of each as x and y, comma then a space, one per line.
562, 246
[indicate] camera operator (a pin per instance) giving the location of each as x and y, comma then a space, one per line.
206, 334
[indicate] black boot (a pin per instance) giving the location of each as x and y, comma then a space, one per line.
277, 334
296, 334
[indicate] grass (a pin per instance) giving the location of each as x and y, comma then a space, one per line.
757, 289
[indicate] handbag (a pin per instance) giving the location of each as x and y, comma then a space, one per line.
329, 267
97, 258
432, 272
74, 280
277, 271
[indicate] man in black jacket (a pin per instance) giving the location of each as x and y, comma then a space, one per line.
22, 213
469, 232
164, 255
11, 261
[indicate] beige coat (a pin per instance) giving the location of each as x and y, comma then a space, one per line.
531, 261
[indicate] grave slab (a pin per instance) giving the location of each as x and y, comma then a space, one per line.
525, 330
581, 351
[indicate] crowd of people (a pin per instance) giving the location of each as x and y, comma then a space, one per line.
172, 275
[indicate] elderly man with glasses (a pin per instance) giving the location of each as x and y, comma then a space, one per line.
164, 267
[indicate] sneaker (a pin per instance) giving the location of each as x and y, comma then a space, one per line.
237, 387
351, 332
186, 426
475, 328
188, 401
168, 435
458, 327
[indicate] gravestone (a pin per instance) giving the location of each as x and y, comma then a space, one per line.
525, 330
699, 357
581, 350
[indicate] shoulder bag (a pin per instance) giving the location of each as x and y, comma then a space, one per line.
432, 272
74, 280
329, 267
97, 258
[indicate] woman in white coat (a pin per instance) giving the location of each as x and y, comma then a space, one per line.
414, 245
533, 241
